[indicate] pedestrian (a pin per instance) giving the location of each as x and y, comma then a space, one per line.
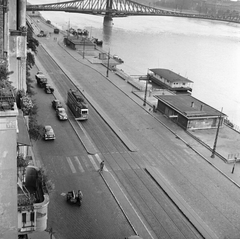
101, 166
80, 194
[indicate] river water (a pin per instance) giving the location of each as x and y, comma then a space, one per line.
205, 52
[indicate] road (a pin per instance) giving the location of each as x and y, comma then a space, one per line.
69, 167
196, 182
117, 159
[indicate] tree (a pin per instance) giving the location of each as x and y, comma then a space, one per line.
32, 43
4, 76
35, 130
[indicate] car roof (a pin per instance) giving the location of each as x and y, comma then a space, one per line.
48, 127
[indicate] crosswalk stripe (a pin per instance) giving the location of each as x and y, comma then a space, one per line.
71, 165
79, 164
98, 158
85, 162
93, 162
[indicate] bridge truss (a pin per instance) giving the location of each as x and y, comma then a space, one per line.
120, 8
113, 7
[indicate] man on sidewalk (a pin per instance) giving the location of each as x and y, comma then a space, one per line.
101, 166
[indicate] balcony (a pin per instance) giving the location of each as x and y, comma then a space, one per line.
32, 200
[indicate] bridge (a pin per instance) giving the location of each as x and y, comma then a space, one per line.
120, 8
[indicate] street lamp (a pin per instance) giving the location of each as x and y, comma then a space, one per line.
145, 95
83, 47
108, 63
216, 138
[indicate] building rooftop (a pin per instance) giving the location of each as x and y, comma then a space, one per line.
170, 75
188, 105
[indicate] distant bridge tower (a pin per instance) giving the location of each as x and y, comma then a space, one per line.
108, 15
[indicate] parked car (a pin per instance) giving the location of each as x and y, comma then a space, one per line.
41, 34
49, 133
56, 104
39, 73
48, 89
56, 30
61, 113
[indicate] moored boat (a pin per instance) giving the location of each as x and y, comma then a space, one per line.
170, 80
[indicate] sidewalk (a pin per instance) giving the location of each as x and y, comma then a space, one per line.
40, 235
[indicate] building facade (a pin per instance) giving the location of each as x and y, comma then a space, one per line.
23, 195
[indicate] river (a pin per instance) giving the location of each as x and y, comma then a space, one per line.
205, 52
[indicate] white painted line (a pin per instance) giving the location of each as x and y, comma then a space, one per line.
98, 158
93, 162
71, 165
133, 207
79, 164
5, 154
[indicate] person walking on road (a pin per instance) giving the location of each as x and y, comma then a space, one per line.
101, 166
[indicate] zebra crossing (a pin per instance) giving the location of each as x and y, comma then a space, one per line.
81, 164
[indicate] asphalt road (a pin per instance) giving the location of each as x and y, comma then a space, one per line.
70, 168
125, 165
212, 197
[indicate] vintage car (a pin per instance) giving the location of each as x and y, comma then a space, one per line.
61, 113
49, 133
75, 198
56, 104
48, 89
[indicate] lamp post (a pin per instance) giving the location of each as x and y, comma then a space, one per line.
215, 142
83, 47
108, 63
145, 95
235, 160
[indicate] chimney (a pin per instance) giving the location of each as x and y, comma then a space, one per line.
192, 104
201, 108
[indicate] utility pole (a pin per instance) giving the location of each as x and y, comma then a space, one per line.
145, 94
215, 142
83, 47
235, 160
108, 63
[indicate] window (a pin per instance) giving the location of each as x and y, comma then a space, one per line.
24, 215
32, 215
